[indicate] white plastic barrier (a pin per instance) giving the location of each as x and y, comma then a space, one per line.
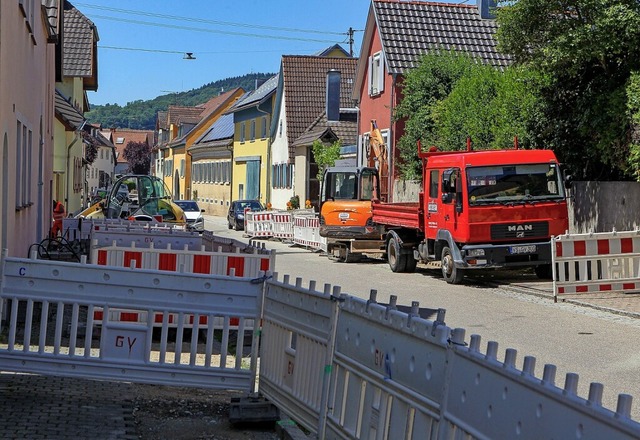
174, 260
596, 262
50, 328
236, 264
295, 358
282, 225
306, 232
399, 376
81, 228
258, 224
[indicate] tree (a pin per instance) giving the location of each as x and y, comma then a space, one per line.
585, 52
325, 155
138, 155
490, 107
450, 96
422, 89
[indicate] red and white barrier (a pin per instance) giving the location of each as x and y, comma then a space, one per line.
258, 224
596, 262
173, 319
211, 263
306, 230
282, 225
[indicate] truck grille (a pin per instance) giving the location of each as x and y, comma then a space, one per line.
519, 230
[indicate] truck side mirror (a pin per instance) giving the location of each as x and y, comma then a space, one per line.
568, 181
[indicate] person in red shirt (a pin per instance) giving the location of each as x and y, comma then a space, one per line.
58, 215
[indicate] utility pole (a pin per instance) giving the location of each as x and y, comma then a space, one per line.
350, 33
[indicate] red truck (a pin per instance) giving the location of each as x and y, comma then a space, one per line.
477, 209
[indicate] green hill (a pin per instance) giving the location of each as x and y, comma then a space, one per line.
141, 115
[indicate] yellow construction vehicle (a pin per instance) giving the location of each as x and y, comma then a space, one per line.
152, 201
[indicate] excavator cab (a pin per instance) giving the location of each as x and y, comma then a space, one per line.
345, 201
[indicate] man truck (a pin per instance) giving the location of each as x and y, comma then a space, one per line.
476, 209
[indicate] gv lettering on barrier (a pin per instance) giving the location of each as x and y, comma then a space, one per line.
130, 342
148, 239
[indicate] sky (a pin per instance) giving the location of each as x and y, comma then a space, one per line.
142, 45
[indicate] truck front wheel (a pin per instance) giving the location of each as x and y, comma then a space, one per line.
450, 273
396, 258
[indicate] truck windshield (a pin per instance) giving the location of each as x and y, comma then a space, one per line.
514, 184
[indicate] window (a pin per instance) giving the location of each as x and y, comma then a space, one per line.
242, 132
18, 164
376, 74
264, 128
253, 130
433, 184
182, 168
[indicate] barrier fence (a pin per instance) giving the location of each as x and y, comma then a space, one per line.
48, 310
347, 368
301, 226
596, 262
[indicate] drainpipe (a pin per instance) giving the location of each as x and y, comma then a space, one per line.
77, 133
267, 197
66, 200
391, 158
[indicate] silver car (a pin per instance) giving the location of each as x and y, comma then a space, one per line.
193, 213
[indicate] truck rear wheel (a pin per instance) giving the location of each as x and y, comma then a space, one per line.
396, 258
450, 273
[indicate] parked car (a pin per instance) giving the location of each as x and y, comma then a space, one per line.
235, 216
193, 212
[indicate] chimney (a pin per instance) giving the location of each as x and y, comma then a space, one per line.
333, 95
487, 9
259, 82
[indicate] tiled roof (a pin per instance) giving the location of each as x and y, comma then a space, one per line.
179, 113
304, 81
51, 13
345, 131
80, 40
162, 120
67, 113
256, 96
409, 29
121, 137
222, 128
217, 101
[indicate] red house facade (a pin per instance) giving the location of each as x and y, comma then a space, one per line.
396, 35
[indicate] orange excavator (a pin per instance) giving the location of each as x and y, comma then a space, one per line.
345, 197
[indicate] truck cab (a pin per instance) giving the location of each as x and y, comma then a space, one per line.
494, 208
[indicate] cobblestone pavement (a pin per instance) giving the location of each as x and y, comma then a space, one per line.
40, 407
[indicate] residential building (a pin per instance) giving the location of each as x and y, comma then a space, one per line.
171, 146
301, 99
72, 136
396, 35
211, 155
208, 160
123, 137
101, 172
30, 33
252, 118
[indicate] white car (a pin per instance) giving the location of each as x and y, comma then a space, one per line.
193, 213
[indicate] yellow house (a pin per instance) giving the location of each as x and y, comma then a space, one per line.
180, 120
79, 74
251, 143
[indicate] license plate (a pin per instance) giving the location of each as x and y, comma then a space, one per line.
527, 249
343, 215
